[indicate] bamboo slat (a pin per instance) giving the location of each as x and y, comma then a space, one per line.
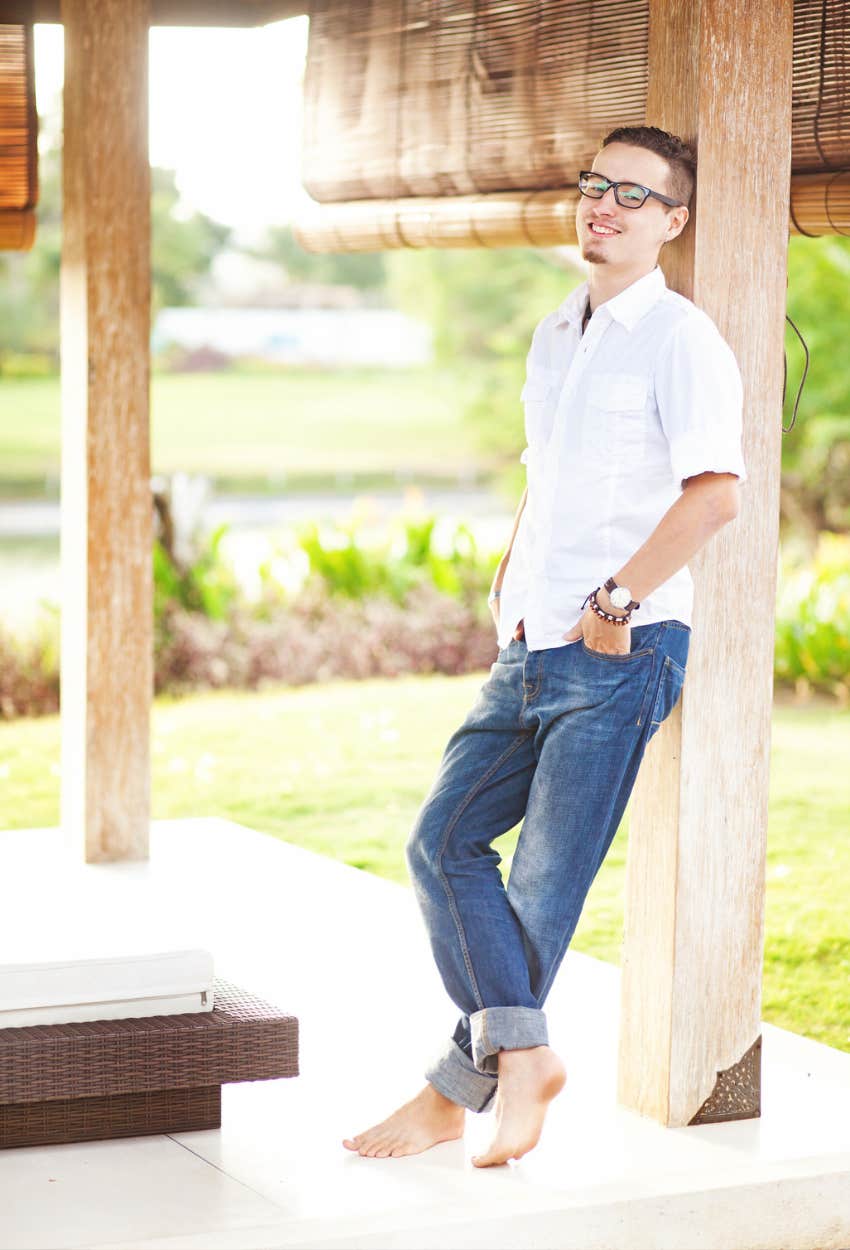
820, 204
17, 231
500, 219
18, 137
820, 108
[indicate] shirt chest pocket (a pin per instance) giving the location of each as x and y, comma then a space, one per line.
540, 398
614, 420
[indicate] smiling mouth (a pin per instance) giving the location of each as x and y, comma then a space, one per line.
601, 232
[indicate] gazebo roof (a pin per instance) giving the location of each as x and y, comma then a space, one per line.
189, 12
467, 127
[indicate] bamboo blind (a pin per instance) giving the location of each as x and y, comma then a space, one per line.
421, 116
440, 97
820, 107
497, 219
18, 137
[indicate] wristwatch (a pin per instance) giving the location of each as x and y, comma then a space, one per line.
620, 596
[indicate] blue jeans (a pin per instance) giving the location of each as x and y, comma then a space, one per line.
554, 739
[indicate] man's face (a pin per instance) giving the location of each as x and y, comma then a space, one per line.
638, 232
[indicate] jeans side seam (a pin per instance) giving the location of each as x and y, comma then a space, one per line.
647, 701
450, 828
555, 963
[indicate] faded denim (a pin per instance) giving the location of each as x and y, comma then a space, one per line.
554, 739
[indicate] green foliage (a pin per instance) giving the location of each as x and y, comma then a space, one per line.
207, 584
182, 250
29, 281
408, 558
481, 304
813, 619
483, 307
364, 270
816, 453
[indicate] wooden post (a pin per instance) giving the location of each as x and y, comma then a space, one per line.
719, 75
107, 516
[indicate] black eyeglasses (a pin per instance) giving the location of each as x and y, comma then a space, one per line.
627, 194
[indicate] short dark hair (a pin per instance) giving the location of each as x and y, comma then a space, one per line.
678, 154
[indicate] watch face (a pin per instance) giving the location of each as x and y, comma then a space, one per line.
621, 597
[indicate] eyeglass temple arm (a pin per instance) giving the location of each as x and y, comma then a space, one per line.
665, 199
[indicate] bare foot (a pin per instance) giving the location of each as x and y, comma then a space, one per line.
528, 1081
425, 1120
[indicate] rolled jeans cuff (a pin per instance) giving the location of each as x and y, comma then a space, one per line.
504, 1028
454, 1075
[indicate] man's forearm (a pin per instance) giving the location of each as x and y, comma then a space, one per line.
707, 503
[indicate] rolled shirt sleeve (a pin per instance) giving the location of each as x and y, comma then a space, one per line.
699, 394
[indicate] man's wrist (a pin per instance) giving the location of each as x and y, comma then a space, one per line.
604, 601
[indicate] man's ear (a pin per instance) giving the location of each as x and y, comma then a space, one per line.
677, 221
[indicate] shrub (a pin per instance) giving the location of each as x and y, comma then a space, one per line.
29, 670
346, 566
320, 637
401, 606
206, 584
813, 619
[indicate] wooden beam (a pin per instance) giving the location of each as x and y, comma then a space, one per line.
107, 513
720, 75
199, 12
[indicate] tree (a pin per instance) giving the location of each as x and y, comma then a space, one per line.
363, 270
483, 306
182, 248
182, 251
815, 492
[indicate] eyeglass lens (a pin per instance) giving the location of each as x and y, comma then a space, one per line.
628, 194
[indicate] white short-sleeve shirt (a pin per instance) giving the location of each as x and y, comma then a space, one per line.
615, 420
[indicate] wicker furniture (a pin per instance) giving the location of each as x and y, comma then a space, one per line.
156, 1074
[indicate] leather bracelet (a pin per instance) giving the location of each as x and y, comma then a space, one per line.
606, 616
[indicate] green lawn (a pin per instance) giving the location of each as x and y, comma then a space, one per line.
256, 427
342, 768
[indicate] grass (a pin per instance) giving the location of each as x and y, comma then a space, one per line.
342, 768
253, 427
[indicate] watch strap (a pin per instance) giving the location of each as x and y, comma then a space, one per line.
610, 585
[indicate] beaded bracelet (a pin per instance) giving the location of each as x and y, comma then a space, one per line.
606, 616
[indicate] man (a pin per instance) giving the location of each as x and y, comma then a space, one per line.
633, 423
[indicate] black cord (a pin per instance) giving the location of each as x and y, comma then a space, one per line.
785, 376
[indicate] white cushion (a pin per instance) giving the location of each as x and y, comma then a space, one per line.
106, 988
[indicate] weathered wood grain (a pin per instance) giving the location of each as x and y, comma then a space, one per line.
720, 75
198, 12
107, 514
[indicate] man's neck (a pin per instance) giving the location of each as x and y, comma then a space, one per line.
604, 283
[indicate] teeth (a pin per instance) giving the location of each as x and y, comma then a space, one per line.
602, 230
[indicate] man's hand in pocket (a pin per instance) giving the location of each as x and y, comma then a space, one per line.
601, 635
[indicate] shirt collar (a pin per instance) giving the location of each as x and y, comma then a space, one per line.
628, 307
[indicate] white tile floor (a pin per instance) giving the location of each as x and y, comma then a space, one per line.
346, 952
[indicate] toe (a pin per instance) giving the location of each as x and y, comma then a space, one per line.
491, 1159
